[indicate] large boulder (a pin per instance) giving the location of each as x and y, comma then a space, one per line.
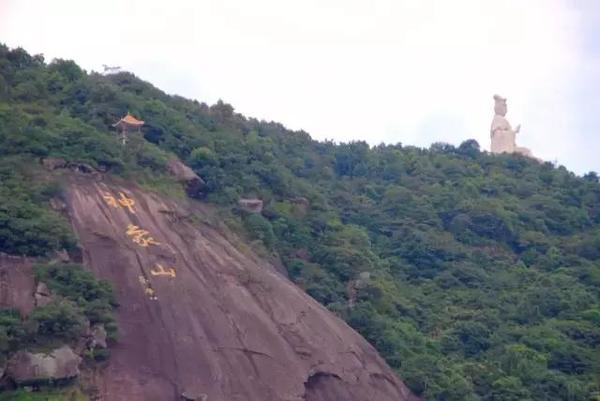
26, 367
251, 205
43, 296
182, 173
83, 168
53, 163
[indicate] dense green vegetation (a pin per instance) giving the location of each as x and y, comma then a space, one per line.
27, 225
93, 297
476, 276
79, 299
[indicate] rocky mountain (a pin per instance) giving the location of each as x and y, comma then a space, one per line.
475, 276
201, 316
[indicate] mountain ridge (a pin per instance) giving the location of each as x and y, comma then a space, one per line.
474, 275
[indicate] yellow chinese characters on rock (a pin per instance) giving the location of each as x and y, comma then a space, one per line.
140, 236
161, 271
122, 201
148, 290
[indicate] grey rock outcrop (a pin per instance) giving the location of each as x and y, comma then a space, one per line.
182, 173
26, 367
251, 205
17, 284
43, 296
53, 163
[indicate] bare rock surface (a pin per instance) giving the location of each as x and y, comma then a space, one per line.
26, 367
17, 283
204, 318
193, 182
251, 205
42, 295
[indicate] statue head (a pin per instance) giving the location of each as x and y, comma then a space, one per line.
500, 105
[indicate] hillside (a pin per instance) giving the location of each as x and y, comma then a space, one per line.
475, 276
198, 316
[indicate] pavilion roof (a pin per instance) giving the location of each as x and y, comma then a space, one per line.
129, 120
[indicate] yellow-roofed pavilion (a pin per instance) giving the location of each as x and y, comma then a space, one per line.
126, 125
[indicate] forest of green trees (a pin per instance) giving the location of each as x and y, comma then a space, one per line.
476, 276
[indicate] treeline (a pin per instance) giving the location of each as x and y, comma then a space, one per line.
476, 276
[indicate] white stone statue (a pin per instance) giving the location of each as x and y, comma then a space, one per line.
503, 135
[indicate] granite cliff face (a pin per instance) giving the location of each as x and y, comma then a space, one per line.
199, 315
17, 283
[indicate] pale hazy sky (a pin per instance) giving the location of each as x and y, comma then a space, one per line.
409, 71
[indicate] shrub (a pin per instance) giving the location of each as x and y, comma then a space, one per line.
12, 332
60, 319
260, 228
94, 297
